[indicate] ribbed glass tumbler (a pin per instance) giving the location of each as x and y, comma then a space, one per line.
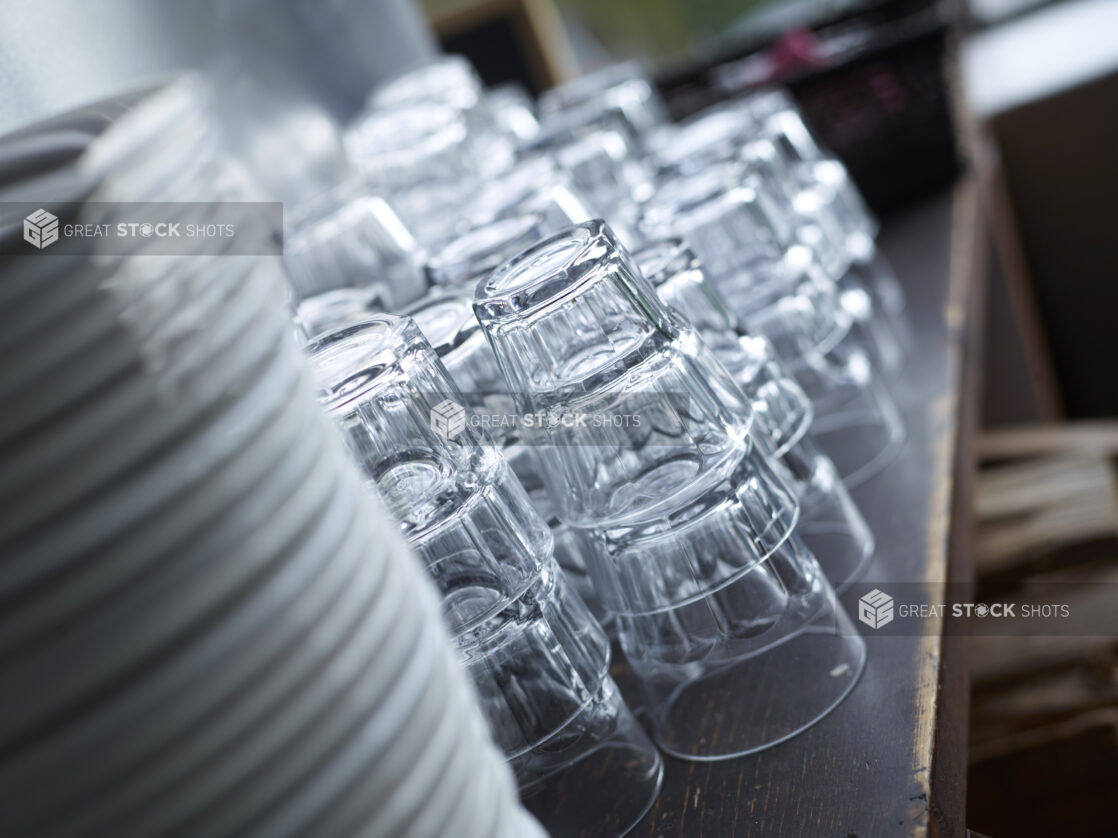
777, 288
345, 258
446, 319
830, 522
537, 657
644, 440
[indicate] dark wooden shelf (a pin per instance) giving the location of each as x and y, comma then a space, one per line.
891, 760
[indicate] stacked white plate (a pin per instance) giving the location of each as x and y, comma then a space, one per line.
207, 626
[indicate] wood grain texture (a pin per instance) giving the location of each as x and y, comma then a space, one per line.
865, 771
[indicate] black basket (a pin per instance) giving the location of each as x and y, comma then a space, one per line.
881, 106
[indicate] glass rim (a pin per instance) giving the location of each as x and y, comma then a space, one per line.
424, 83
478, 251
712, 189
404, 134
446, 319
537, 269
346, 360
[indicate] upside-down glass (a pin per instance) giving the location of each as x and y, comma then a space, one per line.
779, 119
451, 81
695, 549
868, 291
779, 291
512, 111
536, 655
622, 88
533, 186
709, 137
813, 198
830, 523
446, 319
422, 160
597, 154
474, 253
777, 116
350, 259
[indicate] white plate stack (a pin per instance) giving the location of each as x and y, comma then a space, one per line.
207, 626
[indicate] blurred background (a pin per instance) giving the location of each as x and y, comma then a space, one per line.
1018, 97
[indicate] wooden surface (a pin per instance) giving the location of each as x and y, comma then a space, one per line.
891, 760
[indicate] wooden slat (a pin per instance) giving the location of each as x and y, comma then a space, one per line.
1099, 437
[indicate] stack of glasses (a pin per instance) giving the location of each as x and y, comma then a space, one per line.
537, 657
831, 524
651, 452
446, 318
700, 408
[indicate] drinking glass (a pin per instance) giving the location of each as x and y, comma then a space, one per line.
538, 659
780, 120
845, 249
830, 523
821, 206
421, 159
534, 186
446, 319
599, 156
777, 116
513, 112
471, 255
709, 137
777, 289
350, 259
694, 532
623, 89
451, 81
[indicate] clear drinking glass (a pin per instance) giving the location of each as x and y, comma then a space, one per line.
777, 117
781, 408
512, 111
451, 81
420, 158
830, 523
446, 319
780, 120
537, 657
623, 89
534, 186
348, 260
695, 548
471, 255
705, 139
446, 80
778, 290
842, 244
600, 158
823, 208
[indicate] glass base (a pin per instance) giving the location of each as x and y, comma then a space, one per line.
766, 698
834, 530
598, 776
830, 523
860, 429
860, 447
